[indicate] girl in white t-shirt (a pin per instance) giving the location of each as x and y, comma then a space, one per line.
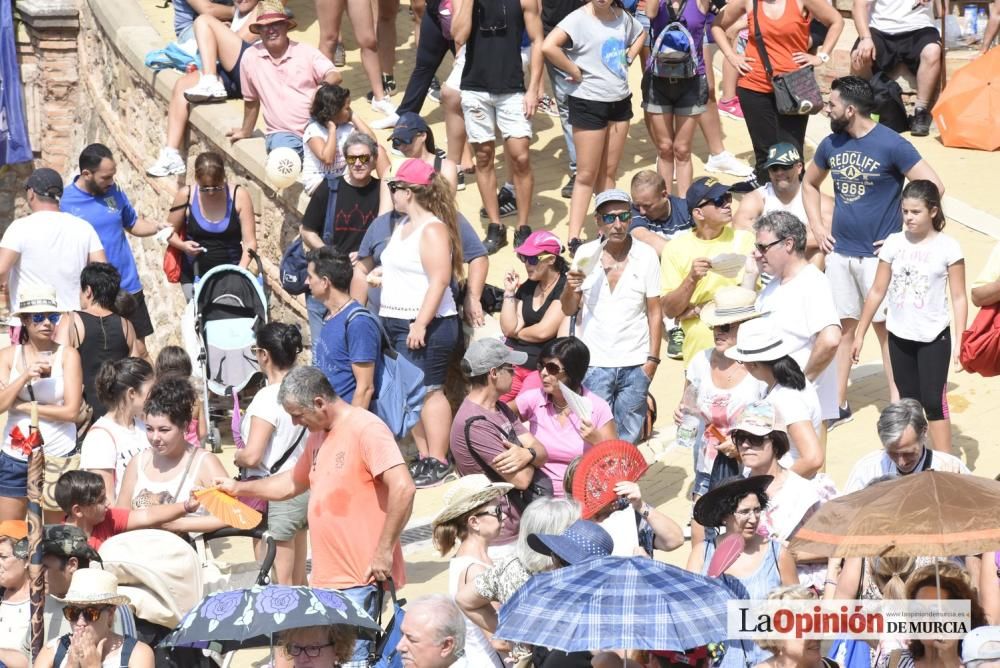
122, 385
919, 269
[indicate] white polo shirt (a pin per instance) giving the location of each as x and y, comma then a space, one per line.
614, 324
876, 464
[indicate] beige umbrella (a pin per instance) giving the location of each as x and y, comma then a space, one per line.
928, 514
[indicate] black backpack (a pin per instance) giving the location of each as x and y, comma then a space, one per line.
292, 269
889, 105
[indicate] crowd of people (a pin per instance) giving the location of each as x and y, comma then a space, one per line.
765, 291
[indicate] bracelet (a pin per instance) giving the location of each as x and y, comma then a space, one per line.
186, 509
512, 298
534, 455
830, 582
654, 360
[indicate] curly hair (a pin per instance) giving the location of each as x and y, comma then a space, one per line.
727, 505
328, 102
174, 398
955, 585
342, 638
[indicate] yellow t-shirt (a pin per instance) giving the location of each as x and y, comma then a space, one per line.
991, 270
678, 256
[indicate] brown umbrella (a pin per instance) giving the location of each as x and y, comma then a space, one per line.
928, 514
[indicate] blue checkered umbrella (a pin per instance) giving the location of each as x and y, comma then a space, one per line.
616, 603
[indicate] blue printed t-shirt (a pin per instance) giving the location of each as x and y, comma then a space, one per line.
678, 220
184, 14
341, 344
110, 215
868, 174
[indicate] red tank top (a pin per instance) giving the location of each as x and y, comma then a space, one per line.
783, 37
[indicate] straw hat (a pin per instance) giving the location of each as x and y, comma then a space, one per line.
731, 304
93, 586
36, 299
271, 11
468, 493
759, 341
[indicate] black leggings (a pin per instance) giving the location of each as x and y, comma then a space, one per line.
767, 127
431, 52
921, 371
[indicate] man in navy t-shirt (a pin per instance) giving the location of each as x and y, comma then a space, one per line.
656, 214
869, 163
94, 196
349, 350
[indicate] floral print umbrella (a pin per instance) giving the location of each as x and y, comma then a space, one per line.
230, 620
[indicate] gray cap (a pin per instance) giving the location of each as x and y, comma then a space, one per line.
489, 353
613, 195
45, 182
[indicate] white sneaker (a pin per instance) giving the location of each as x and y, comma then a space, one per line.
385, 123
168, 164
208, 89
384, 106
728, 163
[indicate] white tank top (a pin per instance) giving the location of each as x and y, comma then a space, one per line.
478, 650
148, 492
238, 20
59, 437
772, 203
404, 281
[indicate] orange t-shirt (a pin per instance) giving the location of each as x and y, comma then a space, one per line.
783, 37
347, 502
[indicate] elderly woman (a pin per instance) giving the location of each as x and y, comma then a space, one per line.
40, 370
794, 653
90, 606
418, 307
738, 504
213, 222
564, 433
473, 515
318, 646
413, 138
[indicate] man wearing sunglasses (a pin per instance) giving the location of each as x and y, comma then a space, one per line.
616, 300
688, 278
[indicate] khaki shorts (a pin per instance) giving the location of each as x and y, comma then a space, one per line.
54, 468
851, 278
286, 518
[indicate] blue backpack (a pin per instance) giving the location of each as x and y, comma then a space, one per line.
674, 54
401, 386
293, 267
383, 653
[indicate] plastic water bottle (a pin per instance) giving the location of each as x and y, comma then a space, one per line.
687, 430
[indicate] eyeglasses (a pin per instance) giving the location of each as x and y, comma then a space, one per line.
719, 202
358, 159
763, 248
611, 218
509, 368
493, 29
399, 141
550, 368
751, 441
312, 651
39, 318
255, 349
397, 185
723, 328
496, 512
211, 189
91, 613
748, 512
532, 261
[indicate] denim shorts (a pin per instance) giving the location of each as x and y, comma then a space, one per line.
288, 517
485, 112
13, 477
366, 597
440, 342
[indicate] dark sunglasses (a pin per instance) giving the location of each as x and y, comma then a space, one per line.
91, 613
312, 651
722, 328
395, 186
763, 248
39, 318
496, 512
358, 159
780, 168
399, 141
532, 261
550, 368
611, 218
211, 189
751, 441
718, 202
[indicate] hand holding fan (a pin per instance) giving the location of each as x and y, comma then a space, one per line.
727, 551
230, 510
600, 469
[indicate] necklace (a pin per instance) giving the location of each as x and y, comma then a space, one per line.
546, 289
340, 308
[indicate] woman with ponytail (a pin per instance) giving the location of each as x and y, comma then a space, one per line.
122, 386
272, 445
417, 305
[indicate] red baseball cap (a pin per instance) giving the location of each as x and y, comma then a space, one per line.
415, 172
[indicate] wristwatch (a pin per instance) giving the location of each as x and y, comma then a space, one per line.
645, 511
823, 57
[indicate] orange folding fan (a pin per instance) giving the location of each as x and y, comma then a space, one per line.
230, 510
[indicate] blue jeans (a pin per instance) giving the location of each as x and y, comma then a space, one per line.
317, 317
283, 140
560, 90
624, 388
365, 597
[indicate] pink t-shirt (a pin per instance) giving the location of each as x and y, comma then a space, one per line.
561, 440
286, 86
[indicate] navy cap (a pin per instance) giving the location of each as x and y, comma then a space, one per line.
45, 182
704, 189
784, 154
408, 126
582, 540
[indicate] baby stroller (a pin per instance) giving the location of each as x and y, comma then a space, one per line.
228, 303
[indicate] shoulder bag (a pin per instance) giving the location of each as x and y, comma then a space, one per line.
980, 348
173, 258
383, 653
796, 93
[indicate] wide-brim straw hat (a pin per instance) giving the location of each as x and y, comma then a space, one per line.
93, 586
708, 510
271, 12
36, 299
731, 304
760, 340
468, 493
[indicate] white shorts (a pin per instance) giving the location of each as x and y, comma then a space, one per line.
484, 112
454, 80
851, 278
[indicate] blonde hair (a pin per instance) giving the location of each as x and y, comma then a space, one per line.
439, 200
890, 575
789, 593
448, 534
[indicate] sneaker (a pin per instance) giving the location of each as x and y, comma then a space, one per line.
208, 89
339, 55
747, 186
496, 238
920, 126
167, 164
384, 106
547, 105
385, 123
507, 202
675, 343
460, 183
846, 415
434, 92
388, 87
727, 163
434, 473
417, 466
731, 108
522, 233
567, 190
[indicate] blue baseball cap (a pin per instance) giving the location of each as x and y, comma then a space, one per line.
704, 189
408, 126
582, 541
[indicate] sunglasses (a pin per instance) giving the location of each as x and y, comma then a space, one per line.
509, 368
550, 368
611, 218
312, 651
751, 441
211, 189
399, 141
496, 512
722, 328
395, 186
91, 613
719, 202
358, 159
532, 261
39, 318
780, 168
763, 248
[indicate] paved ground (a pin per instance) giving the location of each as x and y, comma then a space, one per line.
968, 175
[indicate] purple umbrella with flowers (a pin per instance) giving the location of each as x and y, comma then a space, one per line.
230, 620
